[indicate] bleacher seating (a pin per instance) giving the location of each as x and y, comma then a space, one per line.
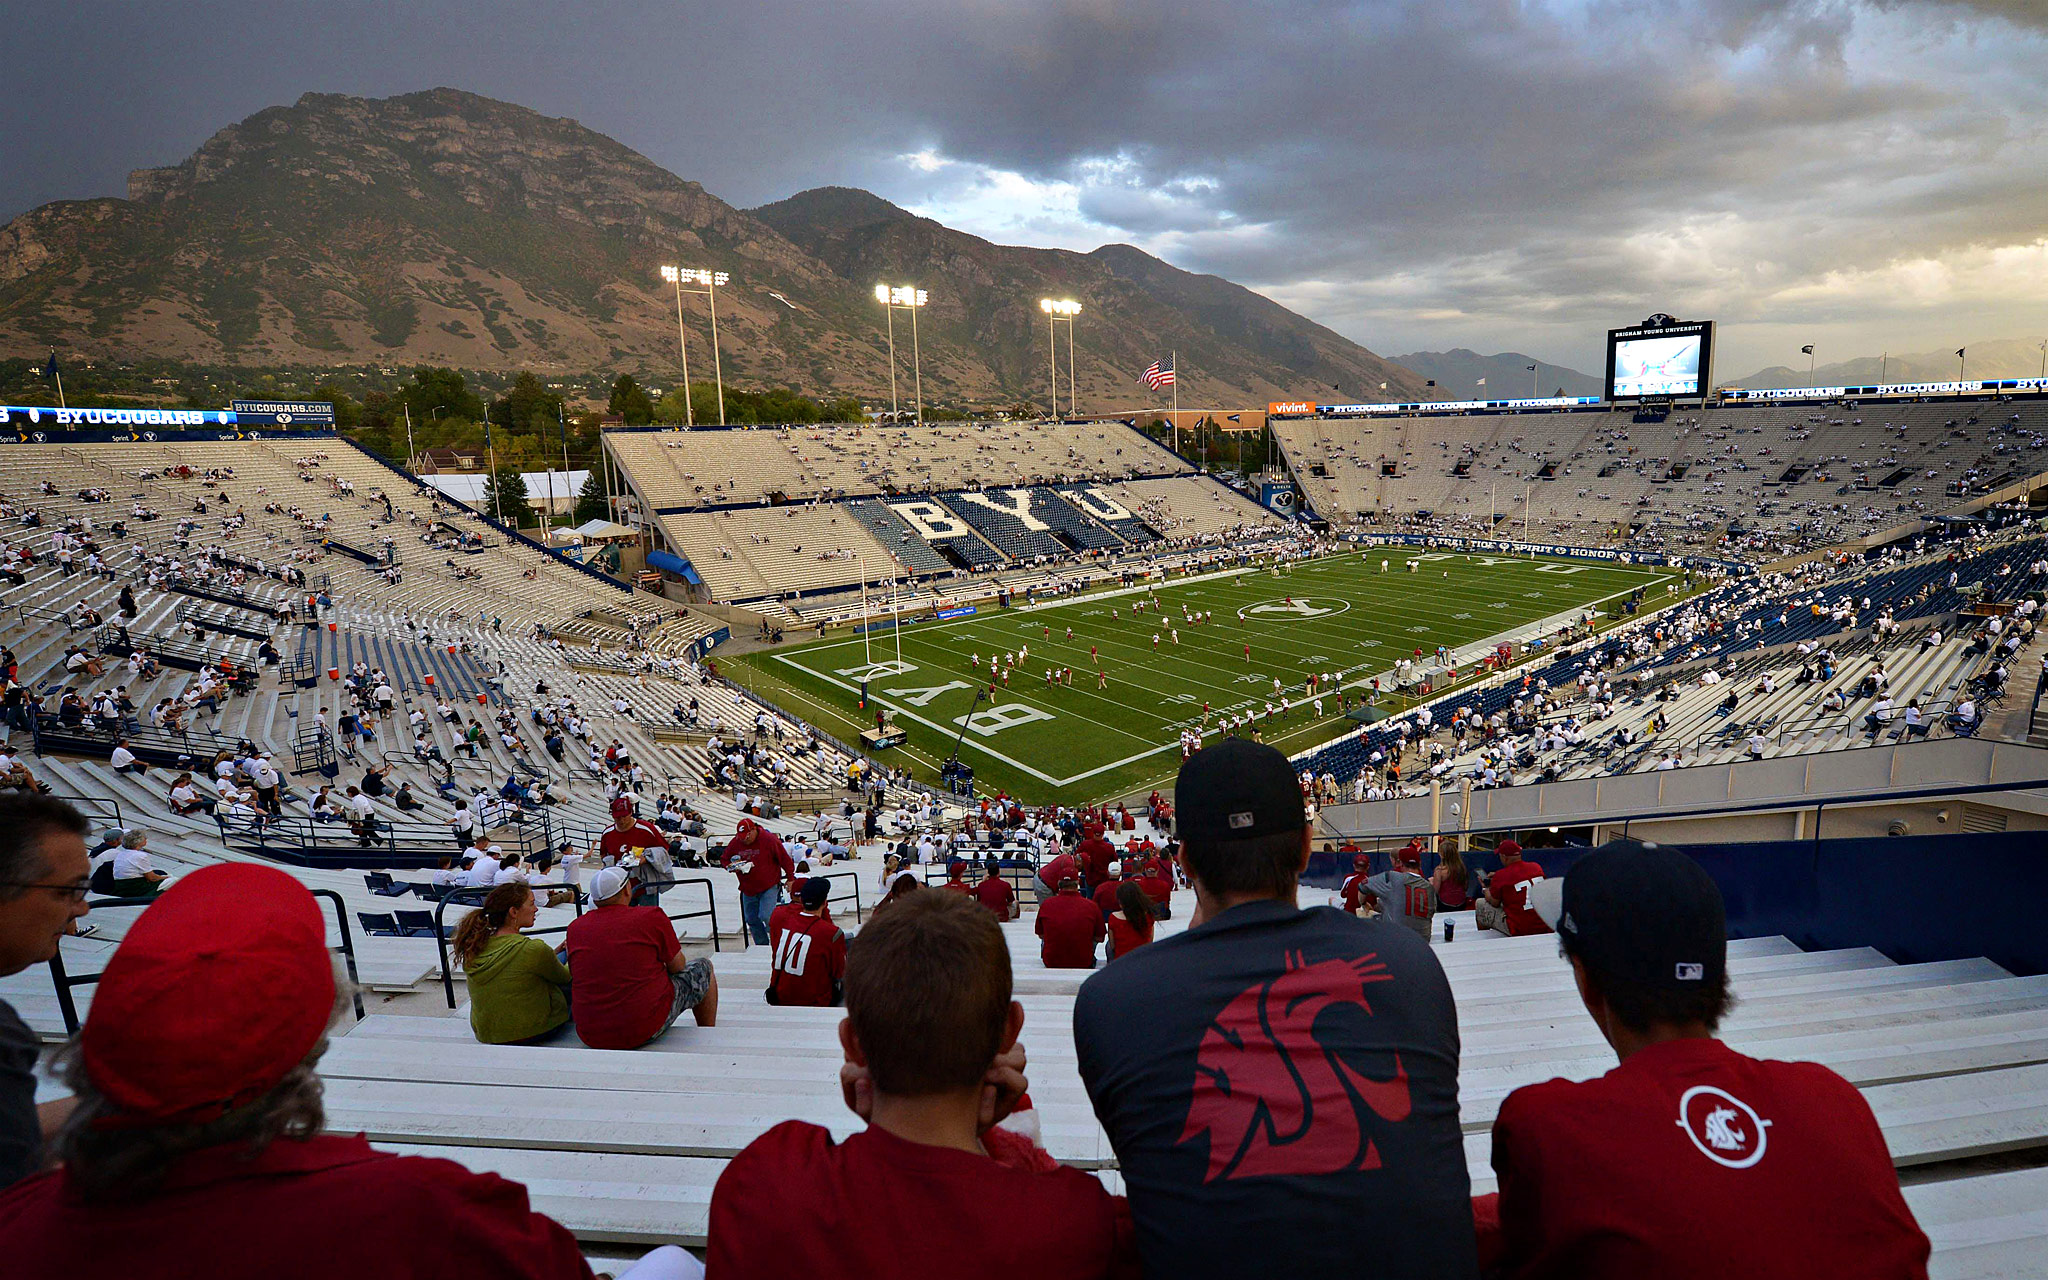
1753, 480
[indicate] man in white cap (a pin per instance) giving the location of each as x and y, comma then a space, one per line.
632, 980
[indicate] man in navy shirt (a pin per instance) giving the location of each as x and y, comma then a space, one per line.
1280, 1085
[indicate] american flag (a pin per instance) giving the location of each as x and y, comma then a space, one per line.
1159, 374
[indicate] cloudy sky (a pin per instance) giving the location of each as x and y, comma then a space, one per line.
1498, 174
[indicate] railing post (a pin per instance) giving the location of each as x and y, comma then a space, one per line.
65, 1004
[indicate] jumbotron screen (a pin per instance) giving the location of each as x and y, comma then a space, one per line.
1655, 360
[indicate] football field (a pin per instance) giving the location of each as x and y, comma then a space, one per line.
1116, 728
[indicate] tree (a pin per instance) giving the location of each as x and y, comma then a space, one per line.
348, 415
842, 409
631, 401
442, 389
505, 497
528, 407
590, 503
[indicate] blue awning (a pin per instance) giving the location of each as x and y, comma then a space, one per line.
675, 564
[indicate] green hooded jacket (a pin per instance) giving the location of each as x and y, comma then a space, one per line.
518, 988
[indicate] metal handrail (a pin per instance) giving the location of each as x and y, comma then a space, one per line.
65, 981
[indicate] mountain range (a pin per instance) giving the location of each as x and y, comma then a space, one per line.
1999, 358
446, 228
1457, 373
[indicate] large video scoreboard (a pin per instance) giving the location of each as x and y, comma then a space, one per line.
1660, 359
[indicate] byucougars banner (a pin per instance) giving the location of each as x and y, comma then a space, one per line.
22, 417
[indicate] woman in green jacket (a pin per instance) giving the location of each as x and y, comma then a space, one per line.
518, 986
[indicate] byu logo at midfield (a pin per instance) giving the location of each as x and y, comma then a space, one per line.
1724, 1128
1297, 607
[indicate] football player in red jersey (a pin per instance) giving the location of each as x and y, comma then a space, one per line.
809, 950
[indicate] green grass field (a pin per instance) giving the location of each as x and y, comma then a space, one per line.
1084, 743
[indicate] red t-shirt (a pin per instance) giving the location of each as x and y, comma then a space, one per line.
1452, 894
1156, 879
1105, 897
762, 865
299, 1208
1095, 854
809, 956
1061, 868
1690, 1161
995, 893
640, 836
1513, 883
794, 1203
618, 958
1124, 939
1355, 892
958, 886
1070, 925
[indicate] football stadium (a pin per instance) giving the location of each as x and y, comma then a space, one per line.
1590, 834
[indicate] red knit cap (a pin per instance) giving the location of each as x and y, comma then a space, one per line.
223, 985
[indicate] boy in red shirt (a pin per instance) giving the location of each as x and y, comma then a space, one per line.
1510, 894
1105, 893
996, 894
932, 1064
1354, 890
956, 879
809, 950
1689, 1160
1069, 926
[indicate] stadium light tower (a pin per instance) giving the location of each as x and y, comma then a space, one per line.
1056, 310
912, 299
706, 283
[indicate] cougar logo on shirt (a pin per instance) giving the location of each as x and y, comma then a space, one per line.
1724, 1127
1271, 1099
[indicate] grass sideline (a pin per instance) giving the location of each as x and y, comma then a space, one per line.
1086, 742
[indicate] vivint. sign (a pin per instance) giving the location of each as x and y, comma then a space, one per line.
1286, 408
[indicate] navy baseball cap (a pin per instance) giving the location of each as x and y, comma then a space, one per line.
1642, 914
1237, 790
816, 889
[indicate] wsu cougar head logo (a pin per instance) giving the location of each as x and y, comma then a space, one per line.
1271, 1099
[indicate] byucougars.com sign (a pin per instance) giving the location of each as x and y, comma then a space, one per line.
284, 413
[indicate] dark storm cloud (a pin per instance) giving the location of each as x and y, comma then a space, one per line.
1475, 169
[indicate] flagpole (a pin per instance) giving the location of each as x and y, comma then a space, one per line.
60, 381
1174, 358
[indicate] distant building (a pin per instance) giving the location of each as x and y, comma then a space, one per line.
445, 459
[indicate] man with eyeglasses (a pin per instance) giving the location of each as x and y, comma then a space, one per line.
43, 881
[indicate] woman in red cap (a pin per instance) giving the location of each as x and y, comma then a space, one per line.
195, 1150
